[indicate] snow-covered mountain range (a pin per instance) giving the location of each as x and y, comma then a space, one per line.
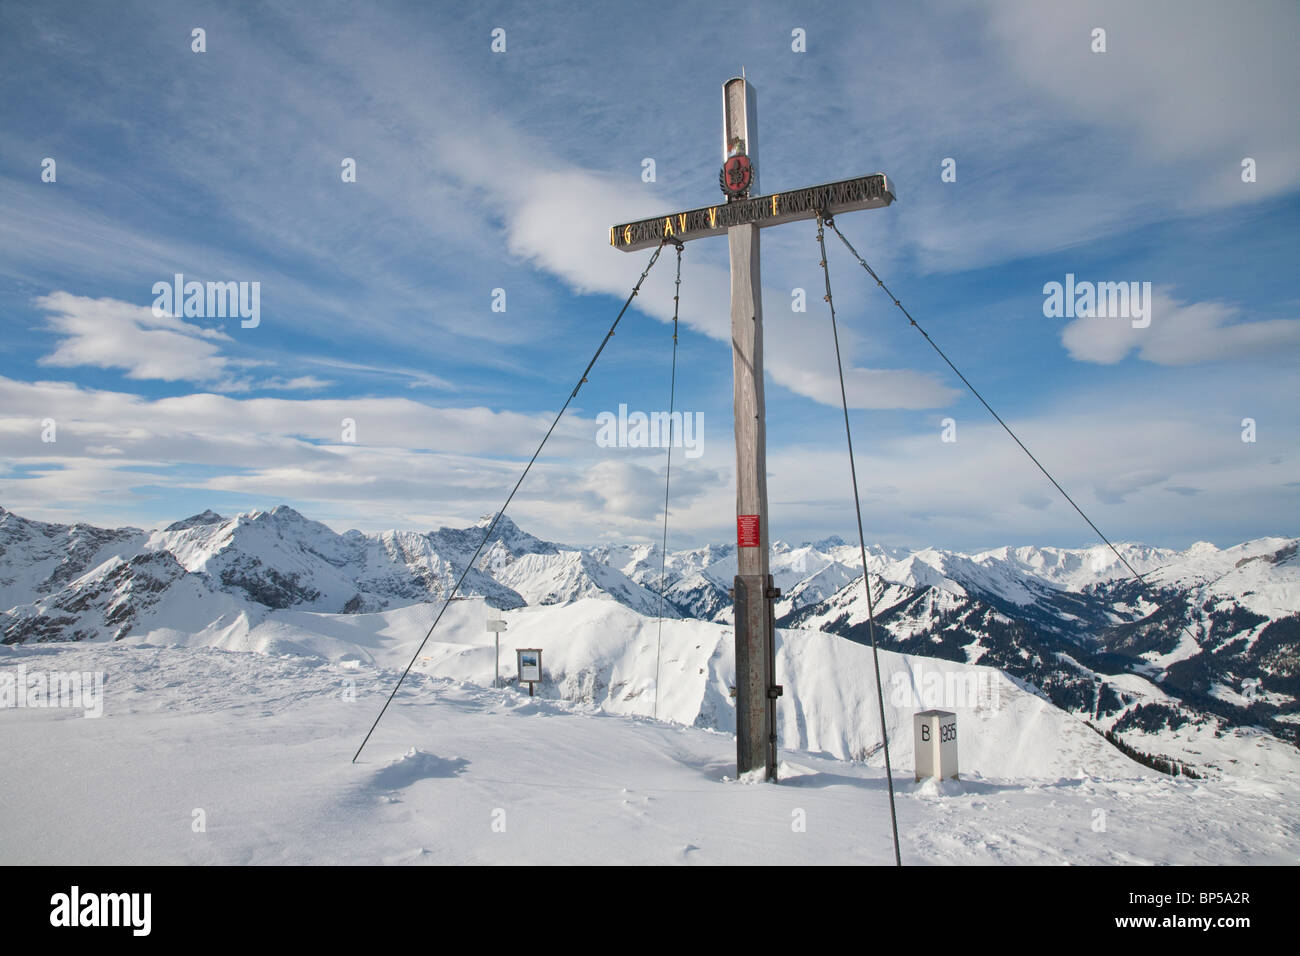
1213, 645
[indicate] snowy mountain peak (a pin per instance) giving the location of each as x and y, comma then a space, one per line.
207, 517
280, 513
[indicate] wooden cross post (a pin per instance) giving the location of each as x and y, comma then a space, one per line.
740, 217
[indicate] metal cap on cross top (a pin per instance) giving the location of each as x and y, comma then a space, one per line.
741, 214
739, 151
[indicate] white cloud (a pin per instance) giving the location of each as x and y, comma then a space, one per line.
106, 333
1194, 82
1057, 146
1129, 464
551, 217
416, 378
1180, 333
305, 383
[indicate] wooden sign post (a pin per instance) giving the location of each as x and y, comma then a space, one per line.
740, 217
528, 665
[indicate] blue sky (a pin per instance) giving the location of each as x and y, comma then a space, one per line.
479, 170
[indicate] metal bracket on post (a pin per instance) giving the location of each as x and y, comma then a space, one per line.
774, 690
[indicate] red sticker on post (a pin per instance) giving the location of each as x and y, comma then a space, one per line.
747, 531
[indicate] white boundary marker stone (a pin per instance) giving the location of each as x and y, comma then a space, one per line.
936, 744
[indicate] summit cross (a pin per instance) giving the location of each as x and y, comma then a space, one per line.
743, 213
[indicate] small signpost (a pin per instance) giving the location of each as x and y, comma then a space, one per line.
529, 663
936, 744
497, 626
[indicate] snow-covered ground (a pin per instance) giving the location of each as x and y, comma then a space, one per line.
602, 654
251, 729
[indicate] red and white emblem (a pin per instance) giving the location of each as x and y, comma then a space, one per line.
737, 176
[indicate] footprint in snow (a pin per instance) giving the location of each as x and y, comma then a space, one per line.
417, 765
